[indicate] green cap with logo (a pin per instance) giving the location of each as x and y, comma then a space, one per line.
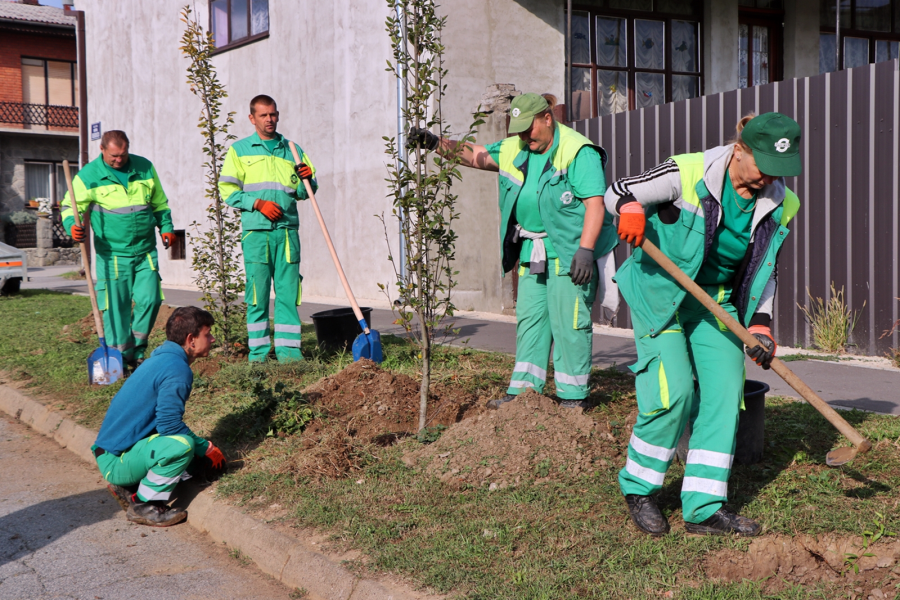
775, 141
523, 109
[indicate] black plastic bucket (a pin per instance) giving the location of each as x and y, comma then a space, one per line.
751, 427
337, 328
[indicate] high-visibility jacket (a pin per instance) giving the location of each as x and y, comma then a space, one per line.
561, 213
124, 221
251, 172
653, 295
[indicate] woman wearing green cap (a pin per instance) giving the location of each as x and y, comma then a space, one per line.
554, 223
722, 216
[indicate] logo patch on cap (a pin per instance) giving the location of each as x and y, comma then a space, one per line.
516, 112
782, 145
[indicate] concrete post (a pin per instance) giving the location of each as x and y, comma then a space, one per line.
801, 38
720, 46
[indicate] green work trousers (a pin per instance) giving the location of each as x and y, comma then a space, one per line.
273, 256
156, 463
694, 345
550, 309
121, 281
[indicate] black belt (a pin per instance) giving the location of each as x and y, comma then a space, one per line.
98, 452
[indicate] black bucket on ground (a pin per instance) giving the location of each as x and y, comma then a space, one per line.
751, 427
337, 328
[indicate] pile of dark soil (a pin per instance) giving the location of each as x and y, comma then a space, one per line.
805, 559
529, 438
365, 406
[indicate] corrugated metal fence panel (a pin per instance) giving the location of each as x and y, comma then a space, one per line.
847, 228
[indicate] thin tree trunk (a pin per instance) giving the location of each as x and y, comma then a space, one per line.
426, 380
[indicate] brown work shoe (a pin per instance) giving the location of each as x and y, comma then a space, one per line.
155, 514
646, 515
723, 521
122, 496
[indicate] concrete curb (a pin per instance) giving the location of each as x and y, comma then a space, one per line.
285, 558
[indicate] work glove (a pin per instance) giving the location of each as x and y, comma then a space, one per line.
215, 456
167, 239
270, 210
765, 352
582, 268
79, 234
632, 222
422, 137
304, 171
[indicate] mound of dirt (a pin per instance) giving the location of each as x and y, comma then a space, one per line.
165, 311
364, 405
805, 559
529, 438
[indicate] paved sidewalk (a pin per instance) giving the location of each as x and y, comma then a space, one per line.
847, 386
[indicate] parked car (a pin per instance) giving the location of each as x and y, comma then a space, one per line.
13, 269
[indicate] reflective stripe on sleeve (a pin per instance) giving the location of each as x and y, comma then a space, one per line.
231, 180
268, 185
125, 210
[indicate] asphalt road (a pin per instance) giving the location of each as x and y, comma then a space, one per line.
875, 390
63, 536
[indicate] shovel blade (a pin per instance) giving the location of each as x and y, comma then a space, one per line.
368, 345
840, 456
105, 366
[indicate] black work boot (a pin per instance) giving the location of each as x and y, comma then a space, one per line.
646, 515
725, 521
122, 495
496, 402
156, 514
582, 404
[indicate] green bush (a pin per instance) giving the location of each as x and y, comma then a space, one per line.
22, 217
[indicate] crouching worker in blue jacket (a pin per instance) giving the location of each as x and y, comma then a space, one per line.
143, 441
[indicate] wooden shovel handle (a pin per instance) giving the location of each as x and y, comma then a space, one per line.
861, 443
85, 254
334, 256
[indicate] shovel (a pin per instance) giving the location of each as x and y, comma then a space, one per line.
368, 343
104, 364
836, 457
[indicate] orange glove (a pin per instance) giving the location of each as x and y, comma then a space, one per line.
78, 233
765, 351
270, 210
632, 223
304, 171
168, 239
216, 456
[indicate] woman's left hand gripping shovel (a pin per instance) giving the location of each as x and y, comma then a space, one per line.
368, 343
104, 363
836, 457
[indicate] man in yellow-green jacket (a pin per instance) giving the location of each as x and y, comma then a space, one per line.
260, 179
120, 194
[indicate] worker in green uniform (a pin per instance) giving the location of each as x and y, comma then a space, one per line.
260, 179
553, 222
722, 216
126, 204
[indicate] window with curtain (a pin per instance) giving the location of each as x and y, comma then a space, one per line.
869, 32
629, 54
49, 82
237, 22
46, 180
760, 26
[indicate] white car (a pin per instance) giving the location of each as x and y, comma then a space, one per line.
13, 269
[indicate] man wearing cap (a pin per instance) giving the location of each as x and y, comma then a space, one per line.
721, 215
554, 224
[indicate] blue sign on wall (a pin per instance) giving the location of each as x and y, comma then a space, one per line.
95, 131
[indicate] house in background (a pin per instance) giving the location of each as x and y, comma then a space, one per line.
39, 99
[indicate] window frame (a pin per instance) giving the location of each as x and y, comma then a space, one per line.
73, 77
773, 19
849, 30
630, 16
249, 39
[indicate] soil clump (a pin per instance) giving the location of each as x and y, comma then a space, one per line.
806, 559
528, 438
364, 406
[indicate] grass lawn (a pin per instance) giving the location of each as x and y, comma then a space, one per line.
556, 537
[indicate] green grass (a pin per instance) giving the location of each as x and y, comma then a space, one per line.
564, 539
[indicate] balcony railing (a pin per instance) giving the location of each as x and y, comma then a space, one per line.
48, 115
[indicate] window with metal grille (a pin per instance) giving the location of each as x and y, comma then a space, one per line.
629, 54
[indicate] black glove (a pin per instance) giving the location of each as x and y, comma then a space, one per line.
762, 354
582, 268
421, 137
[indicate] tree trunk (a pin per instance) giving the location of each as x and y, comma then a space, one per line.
426, 379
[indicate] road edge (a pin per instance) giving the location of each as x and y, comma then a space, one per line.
283, 557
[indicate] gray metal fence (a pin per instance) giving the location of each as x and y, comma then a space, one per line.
847, 228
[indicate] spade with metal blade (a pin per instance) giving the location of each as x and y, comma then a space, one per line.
105, 364
368, 343
836, 457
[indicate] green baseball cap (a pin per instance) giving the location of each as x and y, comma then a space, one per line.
523, 109
775, 141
